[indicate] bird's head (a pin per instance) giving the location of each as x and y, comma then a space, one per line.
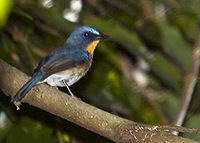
86, 38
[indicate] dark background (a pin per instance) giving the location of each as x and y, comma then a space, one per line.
145, 61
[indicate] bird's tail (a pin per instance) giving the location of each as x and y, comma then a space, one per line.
23, 91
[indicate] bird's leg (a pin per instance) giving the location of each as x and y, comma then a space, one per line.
68, 88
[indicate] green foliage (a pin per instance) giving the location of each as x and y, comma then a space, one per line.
163, 41
5, 8
193, 122
27, 130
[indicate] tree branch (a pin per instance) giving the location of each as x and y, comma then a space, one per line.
103, 123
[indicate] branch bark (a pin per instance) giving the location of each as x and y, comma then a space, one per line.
103, 123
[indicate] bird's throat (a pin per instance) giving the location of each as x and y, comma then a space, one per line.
91, 47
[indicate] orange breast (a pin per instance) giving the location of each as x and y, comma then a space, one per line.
91, 47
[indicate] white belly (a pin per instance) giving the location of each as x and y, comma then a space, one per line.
70, 76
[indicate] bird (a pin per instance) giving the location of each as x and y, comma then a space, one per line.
65, 66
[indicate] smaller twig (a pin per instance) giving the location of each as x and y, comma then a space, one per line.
47, 28
96, 4
123, 6
167, 128
173, 4
147, 9
143, 90
59, 135
190, 82
179, 129
20, 36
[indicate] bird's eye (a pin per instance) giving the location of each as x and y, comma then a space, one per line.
86, 34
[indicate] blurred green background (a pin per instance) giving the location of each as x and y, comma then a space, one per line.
137, 74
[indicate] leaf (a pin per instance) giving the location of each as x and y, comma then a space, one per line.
186, 20
5, 9
29, 131
175, 45
193, 122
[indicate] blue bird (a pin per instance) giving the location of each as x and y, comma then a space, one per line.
66, 65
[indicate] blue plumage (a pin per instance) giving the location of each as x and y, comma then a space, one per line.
66, 65
32, 82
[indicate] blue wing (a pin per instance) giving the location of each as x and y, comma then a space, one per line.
60, 61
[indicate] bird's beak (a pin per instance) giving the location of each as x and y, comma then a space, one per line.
100, 37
